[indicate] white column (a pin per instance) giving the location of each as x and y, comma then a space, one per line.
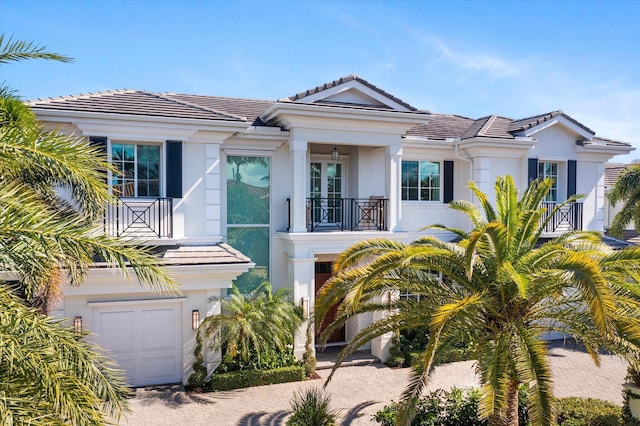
299, 182
394, 171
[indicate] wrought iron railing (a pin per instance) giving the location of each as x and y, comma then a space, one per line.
567, 218
140, 218
346, 214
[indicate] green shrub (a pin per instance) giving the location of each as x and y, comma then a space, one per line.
197, 378
460, 407
311, 408
627, 417
576, 411
248, 378
407, 347
457, 407
308, 358
269, 359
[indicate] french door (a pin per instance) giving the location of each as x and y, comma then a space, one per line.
326, 189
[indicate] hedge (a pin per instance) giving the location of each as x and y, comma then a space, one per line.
249, 378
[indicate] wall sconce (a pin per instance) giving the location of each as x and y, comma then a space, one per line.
305, 307
77, 325
335, 155
195, 319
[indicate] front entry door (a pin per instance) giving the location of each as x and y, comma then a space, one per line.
326, 190
323, 273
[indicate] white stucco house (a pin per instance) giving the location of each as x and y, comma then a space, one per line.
247, 190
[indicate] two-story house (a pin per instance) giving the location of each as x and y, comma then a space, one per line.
247, 190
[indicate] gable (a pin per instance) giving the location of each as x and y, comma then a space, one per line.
351, 91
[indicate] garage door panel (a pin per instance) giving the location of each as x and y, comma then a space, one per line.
116, 331
158, 367
145, 340
158, 329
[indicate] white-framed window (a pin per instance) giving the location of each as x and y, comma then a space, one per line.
549, 170
139, 167
421, 181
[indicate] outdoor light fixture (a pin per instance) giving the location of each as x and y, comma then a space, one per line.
195, 319
77, 325
305, 307
335, 155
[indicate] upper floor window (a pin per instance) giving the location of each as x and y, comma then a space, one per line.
138, 170
421, 181
549, 170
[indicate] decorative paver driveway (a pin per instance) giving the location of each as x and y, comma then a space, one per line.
357, 391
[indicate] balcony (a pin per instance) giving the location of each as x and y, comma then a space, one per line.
346, 214
144, 218
567, 218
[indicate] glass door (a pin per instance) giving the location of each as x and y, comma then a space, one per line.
325, 190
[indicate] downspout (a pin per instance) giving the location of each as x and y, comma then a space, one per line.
467, 159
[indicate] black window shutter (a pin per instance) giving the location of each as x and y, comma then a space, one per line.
571, 177
533, 169
99, 142
173, 181
448, 182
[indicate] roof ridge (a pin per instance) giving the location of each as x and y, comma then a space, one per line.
490, 120
87, 95
550, 113
192, 105
217, 97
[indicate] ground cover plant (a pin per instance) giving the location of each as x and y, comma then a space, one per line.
499, 286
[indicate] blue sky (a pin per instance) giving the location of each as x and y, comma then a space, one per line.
472, 58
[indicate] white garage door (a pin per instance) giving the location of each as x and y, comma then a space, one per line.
146, 340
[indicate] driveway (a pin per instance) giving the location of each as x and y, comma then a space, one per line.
358, 392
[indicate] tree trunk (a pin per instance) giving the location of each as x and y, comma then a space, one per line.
509, 417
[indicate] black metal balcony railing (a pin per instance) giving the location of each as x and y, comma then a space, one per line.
346, 214
567, 218
140, 218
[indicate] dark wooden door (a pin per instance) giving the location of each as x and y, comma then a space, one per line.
323, 273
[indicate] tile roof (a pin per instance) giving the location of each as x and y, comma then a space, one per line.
216, 108
530, 122
492, 126
219, 254
442, 127
346, 79
136, 102
612, 172
249, 108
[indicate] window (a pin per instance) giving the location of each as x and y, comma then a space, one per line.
421, 181
549, 170
248, 197
138, 170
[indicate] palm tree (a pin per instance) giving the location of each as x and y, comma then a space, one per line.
49, 376
52, 195
626, 189
254, 324
501, 288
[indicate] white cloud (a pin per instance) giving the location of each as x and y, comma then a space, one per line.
471, 63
